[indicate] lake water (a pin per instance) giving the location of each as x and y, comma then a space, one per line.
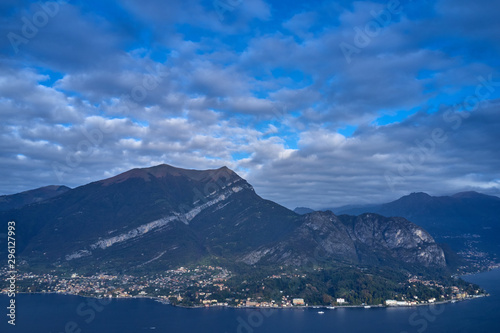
59, 313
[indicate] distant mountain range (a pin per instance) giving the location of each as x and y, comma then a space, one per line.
163, 217
468, 221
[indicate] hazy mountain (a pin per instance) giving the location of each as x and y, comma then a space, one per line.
349, 209
162, 217
18, 200
466, 220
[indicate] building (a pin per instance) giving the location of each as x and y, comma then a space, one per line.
251, 303
340, 301
298, 301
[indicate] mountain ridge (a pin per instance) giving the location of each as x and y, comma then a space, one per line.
18, 200
163, 170
467, 221
172, 216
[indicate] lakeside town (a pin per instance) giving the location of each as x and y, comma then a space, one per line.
209, 286
475, 260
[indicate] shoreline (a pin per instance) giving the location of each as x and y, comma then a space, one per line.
315, 307
488, 269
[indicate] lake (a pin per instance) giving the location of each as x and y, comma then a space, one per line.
61, 313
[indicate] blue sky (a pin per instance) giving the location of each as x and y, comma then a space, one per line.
318, 103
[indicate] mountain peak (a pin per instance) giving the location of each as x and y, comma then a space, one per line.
165, 170
471, 195
419, 195
415, 196
303, 210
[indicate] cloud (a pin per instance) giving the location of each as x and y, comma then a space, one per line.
24, 98
301, 23
224, 17
66, 39
382, 163
262, 87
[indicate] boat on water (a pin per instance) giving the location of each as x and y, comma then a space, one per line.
320, 312
330, 307
367, 306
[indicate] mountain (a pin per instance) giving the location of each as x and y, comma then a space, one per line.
303, 210
19, 200
366, 239
468, 221
163, 217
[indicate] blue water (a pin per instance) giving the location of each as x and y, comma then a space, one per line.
59, 313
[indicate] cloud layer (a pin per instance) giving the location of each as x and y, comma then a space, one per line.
318, 104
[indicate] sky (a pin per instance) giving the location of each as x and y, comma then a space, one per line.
317, 104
